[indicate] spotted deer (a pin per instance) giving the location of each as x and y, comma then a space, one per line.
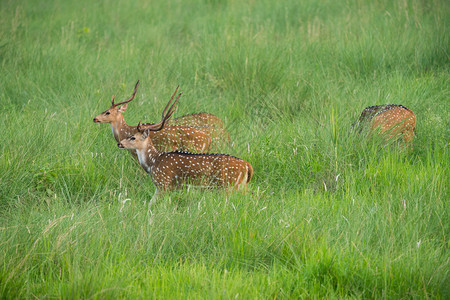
172, 137
390, 120
174, 170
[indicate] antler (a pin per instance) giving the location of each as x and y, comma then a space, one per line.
165, 109
126, 101
166, 115
139, 128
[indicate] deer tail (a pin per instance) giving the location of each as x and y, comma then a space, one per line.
250, 172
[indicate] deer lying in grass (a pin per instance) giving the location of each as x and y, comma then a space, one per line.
173, 170
391, 121
172, 137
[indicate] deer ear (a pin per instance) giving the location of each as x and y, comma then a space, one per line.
145, 134
123, 108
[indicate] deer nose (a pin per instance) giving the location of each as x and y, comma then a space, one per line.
95, 120
119, 145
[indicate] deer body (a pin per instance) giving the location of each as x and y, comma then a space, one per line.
173, 170
392, 121
179, 137
198, 120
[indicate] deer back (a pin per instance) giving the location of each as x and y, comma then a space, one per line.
205, 122
395, 121
391, 120
183, 138
198, 119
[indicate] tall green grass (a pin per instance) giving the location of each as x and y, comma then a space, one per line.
327, 214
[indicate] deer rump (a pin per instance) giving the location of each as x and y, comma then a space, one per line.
176, 169
198, 120
389, 120
206, 122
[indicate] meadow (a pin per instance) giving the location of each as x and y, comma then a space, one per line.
327, 214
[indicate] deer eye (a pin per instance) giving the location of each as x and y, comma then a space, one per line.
132, 138
107, 113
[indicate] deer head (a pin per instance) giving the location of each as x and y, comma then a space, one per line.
114, 113
140, 138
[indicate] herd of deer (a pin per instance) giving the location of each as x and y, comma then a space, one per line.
172, 152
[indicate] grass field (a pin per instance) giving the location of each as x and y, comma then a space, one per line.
327, 214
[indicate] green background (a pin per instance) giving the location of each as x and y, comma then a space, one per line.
327, 214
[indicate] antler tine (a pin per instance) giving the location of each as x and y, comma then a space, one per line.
171, 98
132, 96
139, 129
172, 109
112, 101
166, 116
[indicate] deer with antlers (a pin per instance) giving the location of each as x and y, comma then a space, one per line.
172, 170
390, 120
172, 137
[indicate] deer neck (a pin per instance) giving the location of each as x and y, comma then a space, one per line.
147, 156
121, 129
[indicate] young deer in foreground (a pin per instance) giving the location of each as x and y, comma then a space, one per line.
173, 137
391, 121
172, 170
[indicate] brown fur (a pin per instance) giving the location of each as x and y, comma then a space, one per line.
391, 121
206, 122
172, 170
